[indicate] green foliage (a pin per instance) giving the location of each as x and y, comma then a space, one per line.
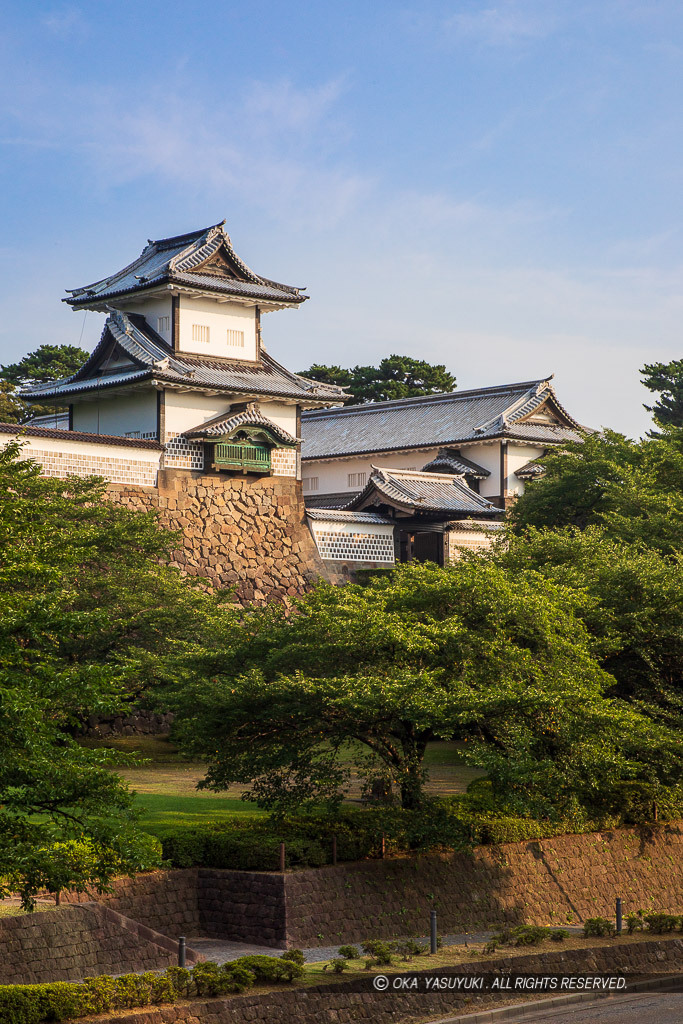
634, 922
296, 955
269, 969
85, 602
46, 363
380, 952
661, 923
63, 1001
498, 657
599, 926
337, 966
632, 489
349, 952
395, 377
665, 380
408, 948
559, 934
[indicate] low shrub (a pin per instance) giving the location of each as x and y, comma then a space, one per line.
379, 951
337, 966
597, 926
408, 948
64, 1000
296, 955
269, 969
349, 952
634, 922
661, 923
559, 934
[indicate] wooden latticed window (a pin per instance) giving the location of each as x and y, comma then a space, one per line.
239, 455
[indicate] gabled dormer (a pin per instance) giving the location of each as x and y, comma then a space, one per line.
196, 293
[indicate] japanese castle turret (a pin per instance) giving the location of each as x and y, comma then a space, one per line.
181, 361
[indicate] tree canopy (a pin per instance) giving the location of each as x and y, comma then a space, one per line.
666, 381
395, 377
46, 363
85, 602
633, 489
498, 657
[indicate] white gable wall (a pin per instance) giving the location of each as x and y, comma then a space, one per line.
118, 414
518, 456
152, 309
218, 318
187, 409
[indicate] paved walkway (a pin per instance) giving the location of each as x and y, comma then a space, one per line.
223, 950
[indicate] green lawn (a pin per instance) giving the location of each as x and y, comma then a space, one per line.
166, 792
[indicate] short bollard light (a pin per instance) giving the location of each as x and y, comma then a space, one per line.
619, 916
282, 858
432, 931
181, 951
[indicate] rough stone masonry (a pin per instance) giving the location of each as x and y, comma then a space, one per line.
235, 532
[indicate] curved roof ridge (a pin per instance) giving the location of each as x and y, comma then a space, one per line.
225, 423
367, 407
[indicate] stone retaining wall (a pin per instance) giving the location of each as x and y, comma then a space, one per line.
344, 1002
248, 905
560, 880
236, 531
564, 879
163, 900
70, 943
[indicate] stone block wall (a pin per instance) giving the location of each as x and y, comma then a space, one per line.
236, 531
560, 880
163, 900
243, 904
73, 942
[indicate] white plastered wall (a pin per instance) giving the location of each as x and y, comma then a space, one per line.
152, 308
187, 409
518, 456
283, 415
218, 317
333, 475
118, 414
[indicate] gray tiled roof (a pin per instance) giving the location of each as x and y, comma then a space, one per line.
530, 470
228, 422
435, 420
153, 359
344, 516
449, 461
337, 499
423, 492
175, 260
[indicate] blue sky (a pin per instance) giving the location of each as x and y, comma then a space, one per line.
495, 185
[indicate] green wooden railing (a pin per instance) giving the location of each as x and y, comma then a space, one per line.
253, 457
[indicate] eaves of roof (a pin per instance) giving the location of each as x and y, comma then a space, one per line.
78, 435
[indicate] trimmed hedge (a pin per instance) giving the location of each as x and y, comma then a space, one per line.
254, 845
65, 1001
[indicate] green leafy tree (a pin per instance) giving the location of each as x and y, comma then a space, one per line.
46, 363
85, 602
666, 381
496, 656
395, 377
12, 409
634, 489
629, 597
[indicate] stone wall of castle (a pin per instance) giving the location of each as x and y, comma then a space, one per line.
242, 532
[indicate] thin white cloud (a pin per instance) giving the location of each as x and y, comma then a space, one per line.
66, 23
504, 24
